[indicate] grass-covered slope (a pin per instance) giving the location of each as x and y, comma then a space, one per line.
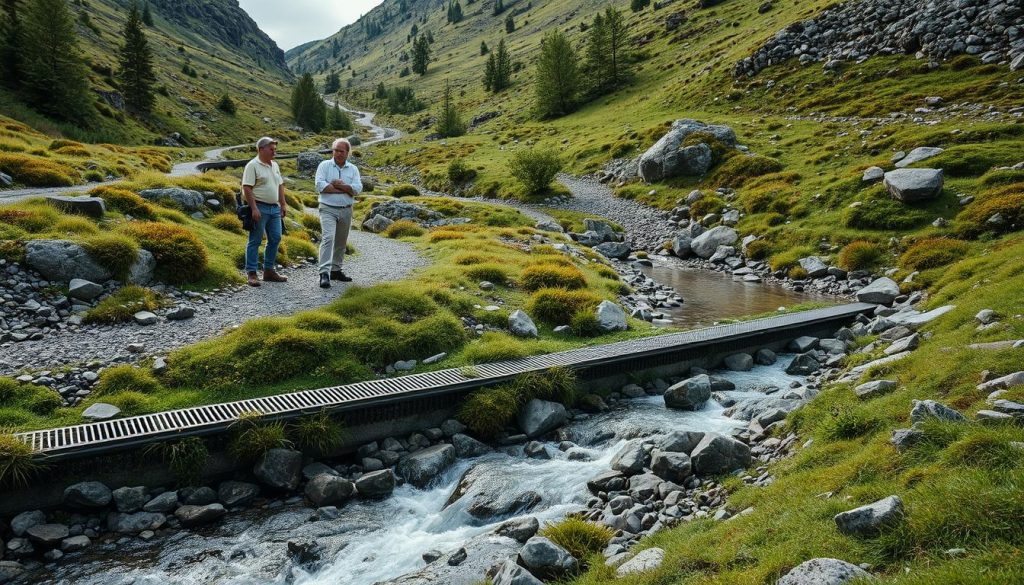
224, 48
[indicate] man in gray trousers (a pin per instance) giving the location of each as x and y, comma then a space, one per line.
337, 182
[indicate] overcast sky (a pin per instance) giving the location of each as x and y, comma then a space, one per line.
293, 22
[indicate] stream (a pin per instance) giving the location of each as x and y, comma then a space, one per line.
382, 541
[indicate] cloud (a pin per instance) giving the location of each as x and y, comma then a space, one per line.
293, 22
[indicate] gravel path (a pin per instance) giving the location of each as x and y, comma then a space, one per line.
379, 260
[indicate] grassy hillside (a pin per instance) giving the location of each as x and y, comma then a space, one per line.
224, 47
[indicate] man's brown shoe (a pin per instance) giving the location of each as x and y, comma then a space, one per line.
253, 279
273, 276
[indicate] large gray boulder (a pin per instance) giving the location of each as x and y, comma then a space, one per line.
869, 519
814, 266
466, 446
668, 158
802, 365
674, 467
84, 290
882, 291
706, 244
540, 416
87, 494
82, 205
645, 560
616, 250
739, 362
511, 573
917, 155
280, 469
197, 515
237, 493
631, 459
424, 465
602, 228
908, 185
680, 441
519, 529
521, 325
130, 499
141, 271
63, 261
717, 454
307, 162
823, 572
25, 520
690, 394
545, 558
186, 199
929, 409
376, 224
329, 490
376, 484
681, 245
611, 317
47, 535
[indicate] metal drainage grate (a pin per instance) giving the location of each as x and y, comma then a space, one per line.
132, 431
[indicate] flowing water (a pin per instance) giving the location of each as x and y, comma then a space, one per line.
709, 296
381, 541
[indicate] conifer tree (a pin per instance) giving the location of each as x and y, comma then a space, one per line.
11, 42
607, 55
55, 79
339, 119
510, 25
381, 93
489, 69
136, 66
483, 48
420, 55
502, 68
499, 7
227, 105
557, 83
147, 15
308, 109
449, 122
333, 83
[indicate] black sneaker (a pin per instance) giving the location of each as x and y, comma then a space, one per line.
339, 275
325, 280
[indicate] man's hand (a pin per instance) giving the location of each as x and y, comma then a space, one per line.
284, 210
256, 215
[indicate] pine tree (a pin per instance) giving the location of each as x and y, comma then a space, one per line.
333, 83
607, 54
449, 122
227, 105
489, 70
502, 68
11, 42
510, 25
308, 109
381, 93
499, 7
638, 5
136, 60
420, 55
147, 15
339, 119
55, 78
557, 84
483, 48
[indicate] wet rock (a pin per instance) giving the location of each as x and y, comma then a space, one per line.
130, 499
497, 503
458, 557
680, 441
237, 493
47, 535
466, 446
135, 523
546, 559
674, 467
536, 450
87, 494
75, 543
803, 365
280, 469
631, 459
11, 570
376, 484
869, 519
197, 515
519, 529
690, 394
422, 466
306, 553
608, 481
593, 403
26, 520
198, 496
739, 362
165, 503
823, 571
540, 416
329, 490
431, 556
717, 454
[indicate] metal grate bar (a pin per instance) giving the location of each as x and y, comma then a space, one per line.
130, 431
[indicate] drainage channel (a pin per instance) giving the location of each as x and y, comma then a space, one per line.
115, 435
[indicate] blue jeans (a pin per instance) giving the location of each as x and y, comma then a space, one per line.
270, 222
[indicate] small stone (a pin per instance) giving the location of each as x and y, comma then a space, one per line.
145, 318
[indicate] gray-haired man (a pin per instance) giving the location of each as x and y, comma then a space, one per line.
337, 183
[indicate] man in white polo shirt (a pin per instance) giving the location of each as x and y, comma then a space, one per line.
337, 182
263, 187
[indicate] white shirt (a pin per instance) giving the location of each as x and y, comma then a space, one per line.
329, 170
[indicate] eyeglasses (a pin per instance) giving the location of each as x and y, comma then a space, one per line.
340, 150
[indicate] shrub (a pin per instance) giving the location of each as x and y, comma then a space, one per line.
251, 437
737, 170
281, 355
551, 276
186, 459
487, 411
75, 226
988, 449
758, 250
584, 323
443, 235
76, 151
64, 143
790, 258
17, 461
883, 214
180, 256
556, 306
127, 378
973, 220
961, 62
933, 252
846, 423
493, 347
28, 397
319, 433
581, 538
35, 172
404, 190
706, 205
860, 255
115, 252
606, 272
130, 403
228, 222
121, 306
33, 219
797, 273
494, 273
296, 247
556, 384
403, 228
535, 168
227, 105
311, 223
459, 172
